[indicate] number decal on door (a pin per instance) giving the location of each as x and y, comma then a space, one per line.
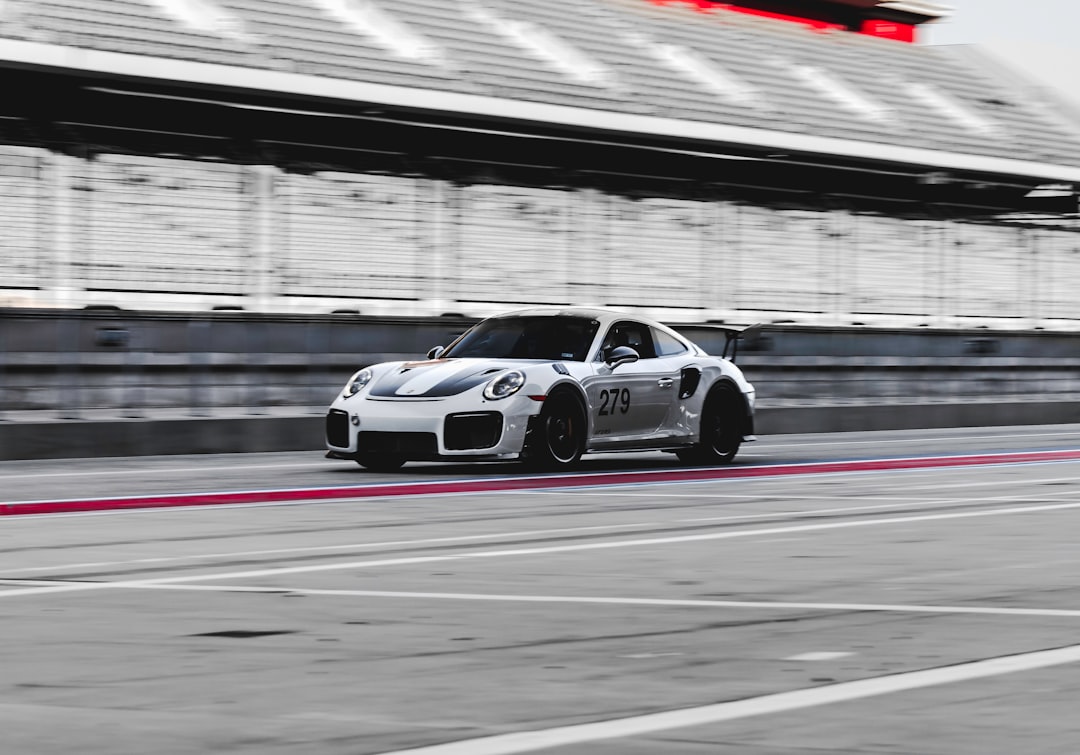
615, 400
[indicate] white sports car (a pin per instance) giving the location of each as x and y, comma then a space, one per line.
546, 386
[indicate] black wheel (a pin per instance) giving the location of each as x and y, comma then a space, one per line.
721, 428
380, 462
558, 439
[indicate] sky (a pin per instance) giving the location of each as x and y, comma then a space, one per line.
1040, 38
1054, 22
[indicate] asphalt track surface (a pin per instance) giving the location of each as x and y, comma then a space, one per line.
902, 592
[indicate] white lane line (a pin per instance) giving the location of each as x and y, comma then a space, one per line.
60, 587
786, 514
163, 471
545, 550
785, 482
467, 538
820, 655
330, 548
934, 576
650, 723
768, 445
611, 601
966, 502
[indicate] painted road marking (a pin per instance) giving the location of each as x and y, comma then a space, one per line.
613, 601
1064, 613
674, 523
239, 467
821, 655
936, 484
781, 702
503, 484
544, 550
767, 443
344, 547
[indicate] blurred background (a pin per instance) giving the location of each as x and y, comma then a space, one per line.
221, 208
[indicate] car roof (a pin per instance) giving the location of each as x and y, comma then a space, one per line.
603, 315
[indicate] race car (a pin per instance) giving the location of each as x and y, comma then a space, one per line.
546, 386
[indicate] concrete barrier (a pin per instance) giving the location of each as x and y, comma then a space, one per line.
65, 439
58, 439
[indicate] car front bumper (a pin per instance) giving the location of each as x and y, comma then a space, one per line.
425, 430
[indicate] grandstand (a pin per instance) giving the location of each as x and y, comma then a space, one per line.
694, 160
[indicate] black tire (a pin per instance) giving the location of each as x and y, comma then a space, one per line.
721, 428
380, 462
558, 439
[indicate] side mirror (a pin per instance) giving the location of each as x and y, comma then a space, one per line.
621, 355
436, 352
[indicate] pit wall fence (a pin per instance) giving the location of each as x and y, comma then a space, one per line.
92, 383
171, 234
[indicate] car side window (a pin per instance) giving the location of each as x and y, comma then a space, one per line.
636, 335
667, 345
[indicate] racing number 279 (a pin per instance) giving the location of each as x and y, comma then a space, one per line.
614, 400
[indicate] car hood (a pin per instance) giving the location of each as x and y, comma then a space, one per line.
438, 378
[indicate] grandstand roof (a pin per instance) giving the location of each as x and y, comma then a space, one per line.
666, 70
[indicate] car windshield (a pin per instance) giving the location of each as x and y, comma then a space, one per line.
552, 337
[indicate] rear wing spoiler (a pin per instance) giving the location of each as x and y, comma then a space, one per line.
733, 334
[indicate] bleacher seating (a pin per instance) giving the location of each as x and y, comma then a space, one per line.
299, 37
895, 270
351, 236
129, 26
1054, 271
618, 35
660, 250
23, 239
150, 229
161, 225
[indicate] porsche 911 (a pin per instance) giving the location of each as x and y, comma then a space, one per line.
545, 386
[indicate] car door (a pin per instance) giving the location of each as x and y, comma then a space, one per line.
680, 377
630, 400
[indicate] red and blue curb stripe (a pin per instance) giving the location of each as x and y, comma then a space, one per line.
505, 484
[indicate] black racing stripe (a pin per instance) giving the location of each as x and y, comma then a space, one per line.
388, 385
457, 384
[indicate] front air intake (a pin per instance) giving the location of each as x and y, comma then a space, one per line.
472, 430
337, 428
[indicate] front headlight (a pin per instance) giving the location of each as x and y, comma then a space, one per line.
506, 384
357, 381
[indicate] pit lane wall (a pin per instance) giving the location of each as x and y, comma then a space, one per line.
119, 383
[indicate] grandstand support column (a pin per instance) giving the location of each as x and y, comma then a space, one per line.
589, 219
1028, 292
59, 232
940, 246
728, 289
264, 211
568, 233
712, 255
436, 198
